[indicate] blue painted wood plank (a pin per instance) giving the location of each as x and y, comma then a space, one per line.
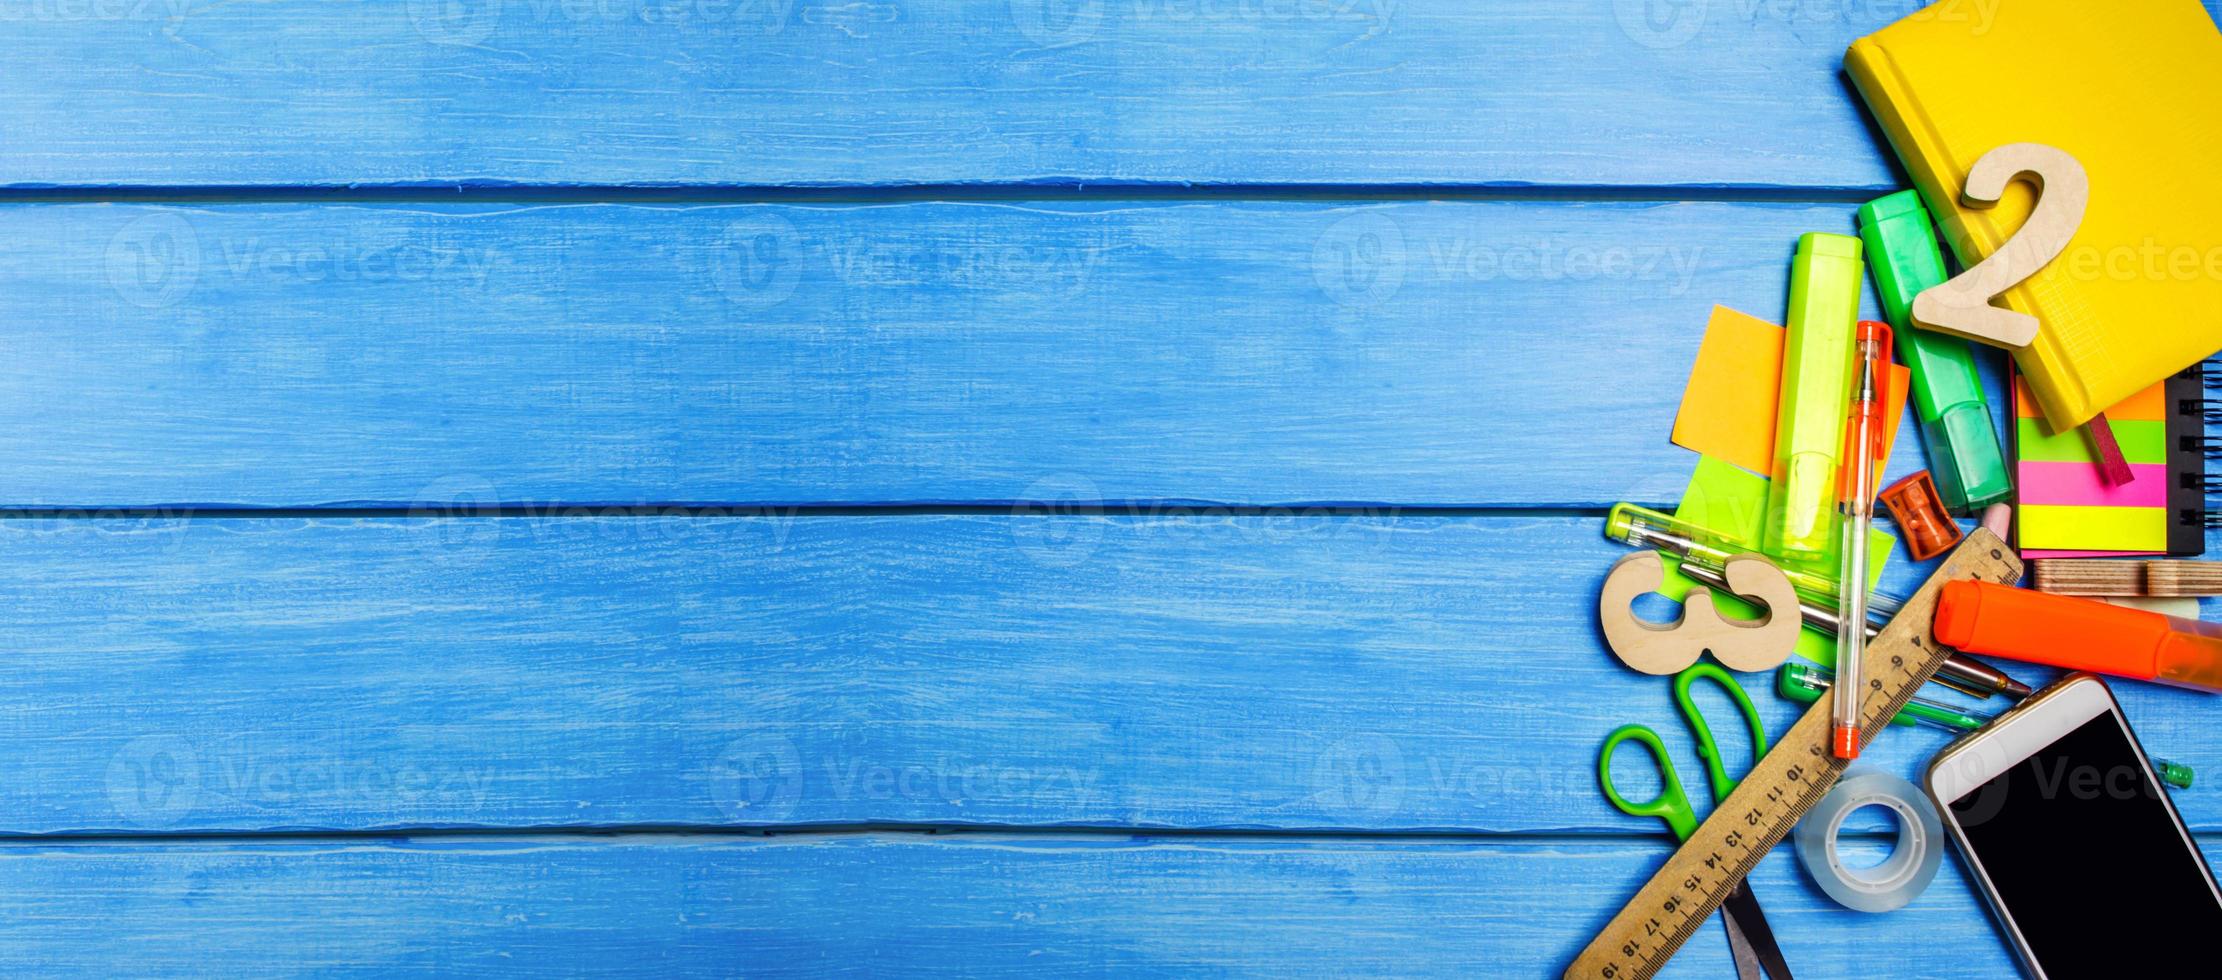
1478, 353
780, 92
879, 904
1386, 673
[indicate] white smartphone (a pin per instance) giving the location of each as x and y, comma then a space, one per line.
2082, 856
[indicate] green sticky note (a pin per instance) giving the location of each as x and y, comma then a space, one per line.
1732, 501
2141, 441
1726, 498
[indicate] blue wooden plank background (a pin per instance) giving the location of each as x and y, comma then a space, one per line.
516, 486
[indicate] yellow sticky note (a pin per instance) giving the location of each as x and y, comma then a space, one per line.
1728, 408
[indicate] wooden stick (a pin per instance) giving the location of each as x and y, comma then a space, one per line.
2089, 576
2178, 576
2128, 577
2113, 468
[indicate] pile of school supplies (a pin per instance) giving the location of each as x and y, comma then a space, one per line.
2128, 90
1793, 424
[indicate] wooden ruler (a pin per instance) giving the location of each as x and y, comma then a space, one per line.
1783, 785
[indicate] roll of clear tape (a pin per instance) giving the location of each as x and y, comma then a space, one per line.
1899, 878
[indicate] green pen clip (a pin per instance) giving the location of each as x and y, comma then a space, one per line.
1962, 445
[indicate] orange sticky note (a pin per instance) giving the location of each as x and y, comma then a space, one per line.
2148, 405
1728, 409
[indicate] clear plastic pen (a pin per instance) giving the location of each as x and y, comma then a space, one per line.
1871, 353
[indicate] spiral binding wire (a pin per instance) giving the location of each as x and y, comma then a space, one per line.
2210, 414
2209, 411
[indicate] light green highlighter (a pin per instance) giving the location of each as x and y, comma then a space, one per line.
1825, 279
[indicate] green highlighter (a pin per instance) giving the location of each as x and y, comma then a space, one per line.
1956, 427
1816, 393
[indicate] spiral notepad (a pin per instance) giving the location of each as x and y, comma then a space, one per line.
2067, 511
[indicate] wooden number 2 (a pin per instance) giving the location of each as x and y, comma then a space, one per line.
1963, 305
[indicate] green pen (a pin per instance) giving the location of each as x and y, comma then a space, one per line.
1956, 427
1803, 684
1797, 682
1816, 390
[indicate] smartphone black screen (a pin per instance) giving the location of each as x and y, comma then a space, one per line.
2087, 860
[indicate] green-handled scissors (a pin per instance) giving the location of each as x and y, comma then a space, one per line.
1751, 942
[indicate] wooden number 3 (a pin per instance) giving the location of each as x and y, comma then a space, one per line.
1666, 649
1963, 305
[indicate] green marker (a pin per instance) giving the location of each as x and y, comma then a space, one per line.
1947, 396
1816, 393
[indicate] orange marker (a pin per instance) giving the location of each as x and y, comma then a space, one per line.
2079, 634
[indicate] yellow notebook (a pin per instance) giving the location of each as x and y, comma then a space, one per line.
2133, 90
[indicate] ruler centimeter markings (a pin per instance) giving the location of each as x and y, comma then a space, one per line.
1783, 785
